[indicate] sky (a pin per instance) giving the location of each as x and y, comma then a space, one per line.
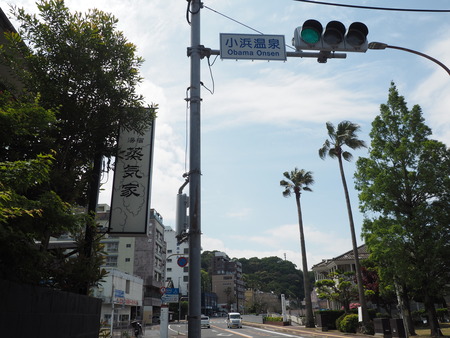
262, 118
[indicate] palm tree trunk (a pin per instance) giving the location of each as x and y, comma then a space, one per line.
362, 298
306, 282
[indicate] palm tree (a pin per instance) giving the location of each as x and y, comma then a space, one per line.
296, 181
345, 135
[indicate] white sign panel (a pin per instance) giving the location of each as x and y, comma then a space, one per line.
252, 47
169, 298
130, 203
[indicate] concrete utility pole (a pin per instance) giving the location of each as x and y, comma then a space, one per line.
195, 53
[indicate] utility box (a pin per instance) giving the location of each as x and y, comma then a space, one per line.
397, 328
382, 327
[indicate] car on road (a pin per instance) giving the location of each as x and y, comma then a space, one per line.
234, 319
204, 322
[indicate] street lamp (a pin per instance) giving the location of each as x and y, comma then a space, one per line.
381, 45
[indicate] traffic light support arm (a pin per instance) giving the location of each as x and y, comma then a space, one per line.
421, 54
381, 45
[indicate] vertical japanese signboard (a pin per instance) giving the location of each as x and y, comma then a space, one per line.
130, 202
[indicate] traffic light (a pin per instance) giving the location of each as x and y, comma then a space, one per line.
311, 36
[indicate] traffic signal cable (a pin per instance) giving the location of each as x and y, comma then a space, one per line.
376, 8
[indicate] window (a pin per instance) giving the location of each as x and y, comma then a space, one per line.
127, 259
127, 286
124, 318
111, 261
169, 251
185, 278
186, 269
128, 245
186, 250
169, 269
112, 247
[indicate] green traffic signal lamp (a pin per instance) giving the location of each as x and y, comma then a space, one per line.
311, 31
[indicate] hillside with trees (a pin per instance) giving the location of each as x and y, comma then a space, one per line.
269, 274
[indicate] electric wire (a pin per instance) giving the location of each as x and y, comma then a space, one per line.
229, 18
376, 8
240, 23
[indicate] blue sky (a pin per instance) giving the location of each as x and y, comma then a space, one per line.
265, 118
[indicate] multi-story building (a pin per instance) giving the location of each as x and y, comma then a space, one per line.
227, 282
142, 256
342, 263
178, 275
121, 294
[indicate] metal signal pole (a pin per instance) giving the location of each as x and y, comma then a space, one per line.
195, 53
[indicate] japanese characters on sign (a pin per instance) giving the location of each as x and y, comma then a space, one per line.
252, 47
130, 204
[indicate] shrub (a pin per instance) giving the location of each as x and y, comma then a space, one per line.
442, 314
273, 319
349, 323
339, 320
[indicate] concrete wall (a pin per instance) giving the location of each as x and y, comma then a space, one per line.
30, 311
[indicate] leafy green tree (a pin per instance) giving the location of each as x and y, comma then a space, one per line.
404, 189
30, 212
295, 182
25, 128
345, 135
80, 64
339, 287
206, 281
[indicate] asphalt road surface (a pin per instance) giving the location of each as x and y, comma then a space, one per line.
219, 329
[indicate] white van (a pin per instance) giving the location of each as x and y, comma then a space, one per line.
234, 320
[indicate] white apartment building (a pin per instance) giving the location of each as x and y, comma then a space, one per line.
122, 294
179, 276
143, 257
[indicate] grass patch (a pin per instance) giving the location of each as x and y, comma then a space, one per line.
425, 332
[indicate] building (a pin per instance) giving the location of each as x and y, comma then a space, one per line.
227, 283
176, 274
259, 302
8, 80
342, 263
142, 256
122, 295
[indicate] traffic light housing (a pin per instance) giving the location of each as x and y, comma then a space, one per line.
335, 37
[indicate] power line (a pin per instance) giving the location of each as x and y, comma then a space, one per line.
377, 8
240, 23
257, 31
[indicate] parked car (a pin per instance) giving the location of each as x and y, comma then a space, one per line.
204, 322
234, 320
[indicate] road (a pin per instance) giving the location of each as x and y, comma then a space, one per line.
219, 329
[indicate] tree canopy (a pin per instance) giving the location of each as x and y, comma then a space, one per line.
78, 77
404, 189
83, 66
